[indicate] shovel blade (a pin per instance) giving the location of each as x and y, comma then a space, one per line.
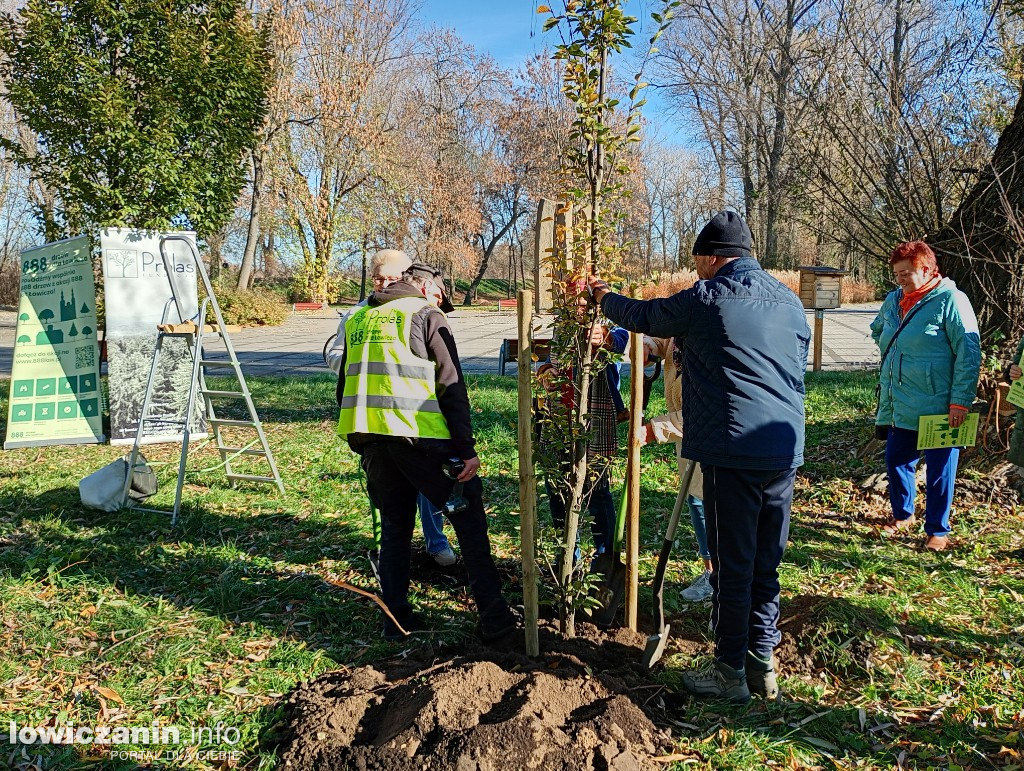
655, 647
609, 592
374, 557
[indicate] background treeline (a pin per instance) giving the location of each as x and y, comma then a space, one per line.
837, 127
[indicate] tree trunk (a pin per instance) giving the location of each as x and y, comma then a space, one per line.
253, 234
517, 211
982, 246
773, 181
362, 277
269, 256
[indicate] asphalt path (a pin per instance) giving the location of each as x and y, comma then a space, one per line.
296, 347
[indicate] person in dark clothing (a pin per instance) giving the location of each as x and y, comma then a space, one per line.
743, 339
602, 445
404, 408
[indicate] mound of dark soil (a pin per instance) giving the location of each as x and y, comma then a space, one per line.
578, 706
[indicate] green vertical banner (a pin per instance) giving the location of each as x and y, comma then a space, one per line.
55, 379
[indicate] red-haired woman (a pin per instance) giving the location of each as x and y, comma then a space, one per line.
931, 356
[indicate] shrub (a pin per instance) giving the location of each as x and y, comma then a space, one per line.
10, 284
339, 288
668, 284
251, 307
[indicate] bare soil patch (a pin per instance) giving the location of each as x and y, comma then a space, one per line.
581, 705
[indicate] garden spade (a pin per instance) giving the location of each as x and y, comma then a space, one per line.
656, 642
609, 592
374, 554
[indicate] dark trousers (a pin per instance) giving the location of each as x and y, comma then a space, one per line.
901, 458
601, 508
747, 514
395, 473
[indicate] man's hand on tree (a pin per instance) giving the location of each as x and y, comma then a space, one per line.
598, 288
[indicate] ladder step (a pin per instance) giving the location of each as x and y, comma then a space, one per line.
177, 334
220, 422
217, 362
239, 451
235, 394
251, 478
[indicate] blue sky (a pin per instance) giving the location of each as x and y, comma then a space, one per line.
501, 28
511, 30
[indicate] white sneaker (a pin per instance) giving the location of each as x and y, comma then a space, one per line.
445, 558
699, 590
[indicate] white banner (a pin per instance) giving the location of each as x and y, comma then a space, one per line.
55, 379
136, 294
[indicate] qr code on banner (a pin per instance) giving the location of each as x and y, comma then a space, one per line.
85, 357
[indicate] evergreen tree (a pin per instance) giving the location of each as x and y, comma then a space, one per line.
143, 108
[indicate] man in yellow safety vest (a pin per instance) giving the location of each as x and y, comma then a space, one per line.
405, 410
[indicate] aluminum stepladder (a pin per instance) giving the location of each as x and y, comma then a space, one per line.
194, 340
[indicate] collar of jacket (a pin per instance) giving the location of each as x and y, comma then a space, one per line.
395, 291
738, 265
945, 285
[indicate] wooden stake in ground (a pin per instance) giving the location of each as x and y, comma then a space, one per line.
527, 475
636, 411
819, 330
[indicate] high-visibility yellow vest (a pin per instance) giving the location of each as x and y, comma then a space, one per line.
389, 390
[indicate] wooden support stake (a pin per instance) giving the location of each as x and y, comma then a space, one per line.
636, 412
527, 475
819, 328
544, 249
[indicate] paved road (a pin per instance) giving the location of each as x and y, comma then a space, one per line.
295, 347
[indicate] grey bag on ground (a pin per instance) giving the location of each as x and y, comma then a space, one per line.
103, 489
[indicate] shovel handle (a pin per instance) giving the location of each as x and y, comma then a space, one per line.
658, 588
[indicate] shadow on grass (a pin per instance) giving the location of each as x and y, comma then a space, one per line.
140, 553
828, 643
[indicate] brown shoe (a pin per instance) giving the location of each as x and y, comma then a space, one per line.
894, 525
936, 542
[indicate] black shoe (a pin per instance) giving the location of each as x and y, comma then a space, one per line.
718, 681
761, 678
410, 623
498, 627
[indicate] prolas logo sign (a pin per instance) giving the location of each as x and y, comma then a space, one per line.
153, 265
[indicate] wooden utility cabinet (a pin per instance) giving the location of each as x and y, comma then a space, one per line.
821, 288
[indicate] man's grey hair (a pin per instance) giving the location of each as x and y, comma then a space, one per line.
392, 258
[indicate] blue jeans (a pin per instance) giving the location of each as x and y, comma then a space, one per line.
748, 526
696, 507
432, 522
901, 458
602, 512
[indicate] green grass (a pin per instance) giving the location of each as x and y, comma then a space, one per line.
120, 619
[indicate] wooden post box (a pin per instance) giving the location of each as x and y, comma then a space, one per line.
820, 288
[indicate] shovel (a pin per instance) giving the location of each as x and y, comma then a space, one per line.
609, 592
374, 554
656, 642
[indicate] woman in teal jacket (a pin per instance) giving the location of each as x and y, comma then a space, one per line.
930, 367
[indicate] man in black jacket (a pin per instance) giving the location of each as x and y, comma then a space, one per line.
742, 338
405, 410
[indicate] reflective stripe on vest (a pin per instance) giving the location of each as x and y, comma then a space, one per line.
389, 390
